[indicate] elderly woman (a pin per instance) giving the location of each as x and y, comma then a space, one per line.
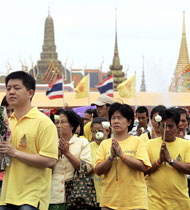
72, 150
122, 160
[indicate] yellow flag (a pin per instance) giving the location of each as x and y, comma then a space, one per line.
127, 88
82, 88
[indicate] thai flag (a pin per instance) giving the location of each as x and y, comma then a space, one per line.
106, 86
55, 90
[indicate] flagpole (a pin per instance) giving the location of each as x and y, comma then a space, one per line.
135, 93
63, 88
88, 89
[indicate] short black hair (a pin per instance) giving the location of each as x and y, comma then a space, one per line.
170, 113
182, 111
72, 118
125, 110
4, 102
92, 111
142, 109
157, 109
27, 79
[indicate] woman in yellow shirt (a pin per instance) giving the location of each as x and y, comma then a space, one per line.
122, 160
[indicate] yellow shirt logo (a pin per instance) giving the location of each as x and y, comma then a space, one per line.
23, 142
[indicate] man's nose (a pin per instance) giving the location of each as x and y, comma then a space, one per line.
11, 91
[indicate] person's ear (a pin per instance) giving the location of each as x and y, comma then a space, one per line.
129, 122
31, 93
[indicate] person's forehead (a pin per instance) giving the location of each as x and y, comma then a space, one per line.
182, 115
63, 116
169, 121
118, 113
141, 114
97, 126
15, 82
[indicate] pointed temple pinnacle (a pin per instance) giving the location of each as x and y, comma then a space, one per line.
48, 10
116, 68
184, 23
143, 86
116, 47
183, 58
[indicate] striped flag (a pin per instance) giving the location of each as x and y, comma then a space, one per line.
106, 86
55, 89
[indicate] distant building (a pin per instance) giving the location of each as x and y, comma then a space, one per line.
49, 58
95, 77
49, 68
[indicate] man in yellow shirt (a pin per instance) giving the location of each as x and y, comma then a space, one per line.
170, 158
33, 149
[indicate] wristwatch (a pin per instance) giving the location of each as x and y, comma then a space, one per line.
171, 162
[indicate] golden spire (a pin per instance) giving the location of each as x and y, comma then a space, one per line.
183, 58
116, 68
116, 61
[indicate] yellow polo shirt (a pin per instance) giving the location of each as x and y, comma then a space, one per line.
129, 191
167, 188
34, 133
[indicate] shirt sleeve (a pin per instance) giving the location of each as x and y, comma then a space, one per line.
142, 153
187, 152
48, 140
100, 155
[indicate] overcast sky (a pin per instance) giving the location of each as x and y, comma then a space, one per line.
84, 34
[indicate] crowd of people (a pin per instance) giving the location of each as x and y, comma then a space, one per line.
134, 163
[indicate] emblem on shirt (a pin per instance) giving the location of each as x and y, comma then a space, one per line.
23, 142
179, 157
